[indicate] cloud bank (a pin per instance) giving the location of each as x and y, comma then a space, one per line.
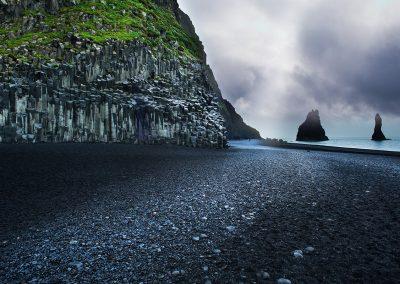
276, 60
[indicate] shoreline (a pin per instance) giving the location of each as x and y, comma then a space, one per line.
323, 148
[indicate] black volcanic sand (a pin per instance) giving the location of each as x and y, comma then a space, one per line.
124, 213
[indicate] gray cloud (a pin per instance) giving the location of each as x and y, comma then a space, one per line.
240, 79
349, 63
276, 60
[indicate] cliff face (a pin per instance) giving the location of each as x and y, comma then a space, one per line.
105, 71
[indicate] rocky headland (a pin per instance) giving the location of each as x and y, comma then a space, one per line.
236, 128
108, 71
311, 129
378, 134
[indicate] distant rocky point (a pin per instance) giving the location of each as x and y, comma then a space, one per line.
378, 134
235, 126
311, 129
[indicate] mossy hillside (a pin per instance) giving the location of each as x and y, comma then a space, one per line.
98, 21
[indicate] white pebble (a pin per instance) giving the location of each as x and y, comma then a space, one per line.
298, 254
217, 251
309, 249
231, 228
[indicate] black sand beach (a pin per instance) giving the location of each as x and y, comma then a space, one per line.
125, 213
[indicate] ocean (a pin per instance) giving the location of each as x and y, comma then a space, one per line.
360, 143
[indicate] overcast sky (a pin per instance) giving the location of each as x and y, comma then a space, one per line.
275, 60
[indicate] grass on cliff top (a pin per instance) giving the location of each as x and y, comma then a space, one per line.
100, 21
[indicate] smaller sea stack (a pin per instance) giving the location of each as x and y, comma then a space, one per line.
311, 129
378, 134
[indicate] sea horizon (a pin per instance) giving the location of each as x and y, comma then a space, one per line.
393, 144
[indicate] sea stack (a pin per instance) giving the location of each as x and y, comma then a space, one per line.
378, 134
311, 129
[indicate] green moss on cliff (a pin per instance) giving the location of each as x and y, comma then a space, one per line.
98, 21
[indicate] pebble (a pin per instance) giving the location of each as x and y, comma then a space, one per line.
309, 249
263, 275
178, 272
217, 251
77, 264
298, 254
283, 281
231, 228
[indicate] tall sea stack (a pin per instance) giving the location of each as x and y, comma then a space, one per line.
311, 129
378, 134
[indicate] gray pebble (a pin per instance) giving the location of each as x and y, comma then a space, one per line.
309, 249
283, 281
298, 254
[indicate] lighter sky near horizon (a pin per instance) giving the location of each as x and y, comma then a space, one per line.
277, 60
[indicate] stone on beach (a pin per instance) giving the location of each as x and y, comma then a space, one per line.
298, 254
263, 275
309, 249
77, 264
231, 228
283, 281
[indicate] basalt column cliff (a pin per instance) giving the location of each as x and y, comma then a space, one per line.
106, 71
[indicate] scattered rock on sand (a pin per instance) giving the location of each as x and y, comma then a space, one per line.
283, 281
309, 249
231, 228
178, 272
298, 253
263, 275
216, 251
77, 264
